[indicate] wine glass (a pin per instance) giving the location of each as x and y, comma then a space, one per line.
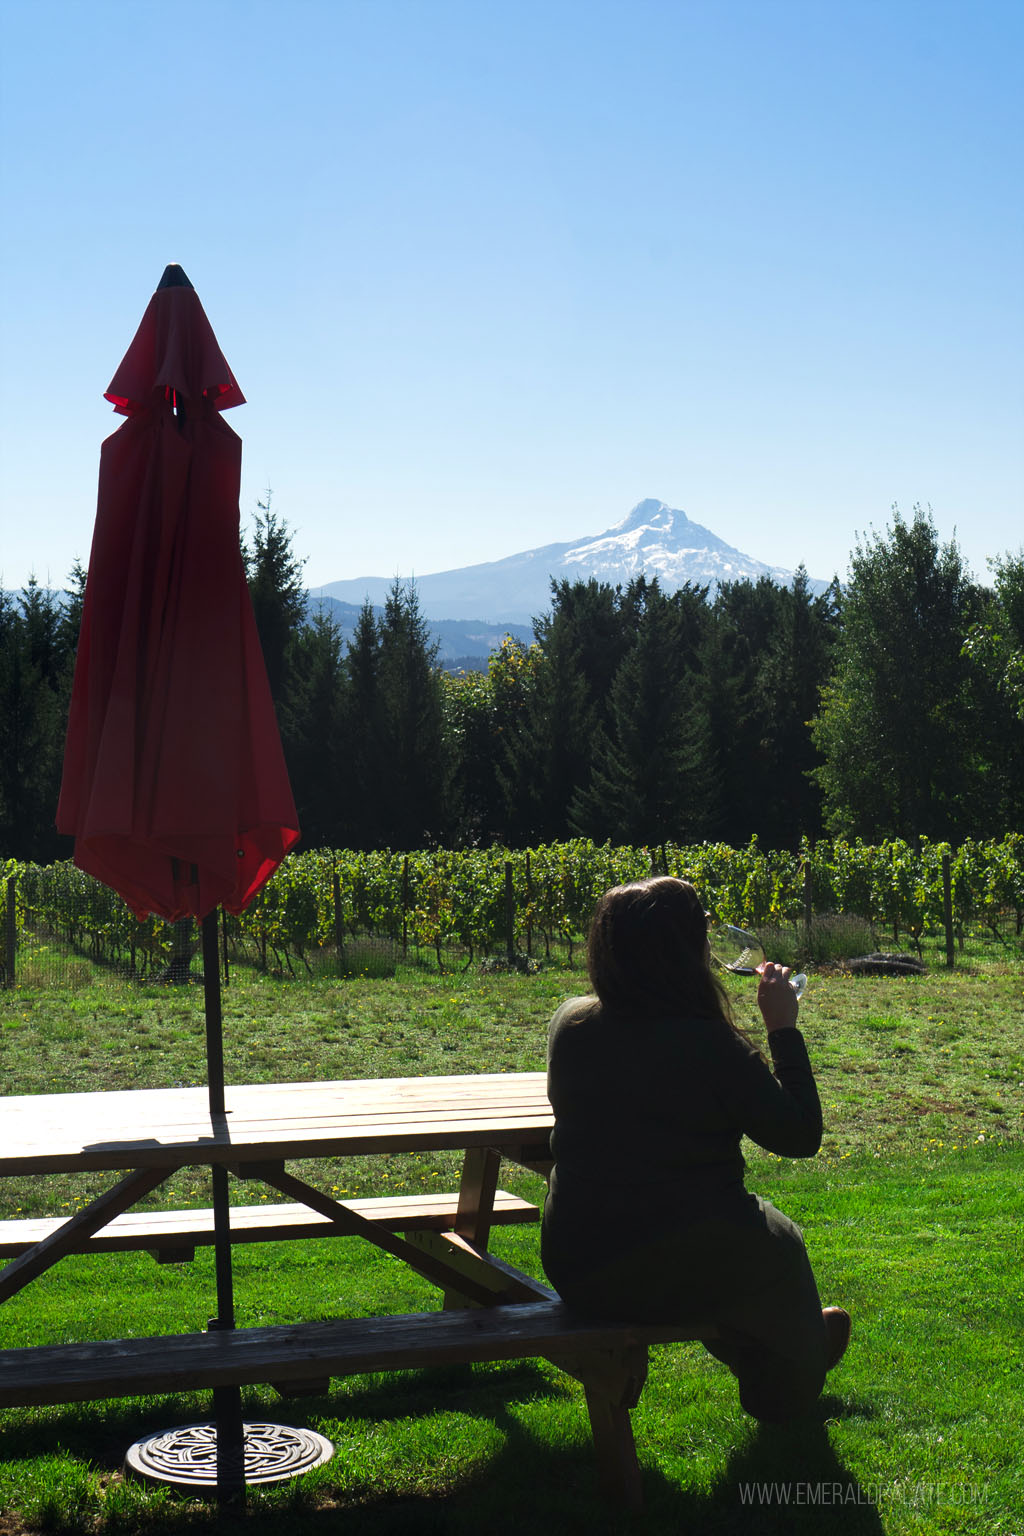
743, 954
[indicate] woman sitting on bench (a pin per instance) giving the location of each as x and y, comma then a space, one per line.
652, 1085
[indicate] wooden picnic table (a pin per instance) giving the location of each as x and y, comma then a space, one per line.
491, 1310
149, 1134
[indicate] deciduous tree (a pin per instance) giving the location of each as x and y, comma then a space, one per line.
896, 725
994, 649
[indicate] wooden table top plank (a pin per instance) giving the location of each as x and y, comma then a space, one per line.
140, 1127
244, 1128
246, 1122
277, 1099
486, 1084
117, 1156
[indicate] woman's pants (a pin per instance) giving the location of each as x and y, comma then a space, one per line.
750, 1277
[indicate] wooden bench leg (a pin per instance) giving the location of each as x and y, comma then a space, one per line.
618, 1471
612, 1381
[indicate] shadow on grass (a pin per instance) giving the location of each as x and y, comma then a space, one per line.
782, 1479
789, 1478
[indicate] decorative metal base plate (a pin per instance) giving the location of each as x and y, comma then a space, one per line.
186, 1458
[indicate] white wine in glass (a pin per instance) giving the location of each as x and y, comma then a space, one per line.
742, 953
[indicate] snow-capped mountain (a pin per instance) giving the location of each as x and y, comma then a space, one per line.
656, 540
653, 540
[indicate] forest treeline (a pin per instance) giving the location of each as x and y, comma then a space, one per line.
891, 708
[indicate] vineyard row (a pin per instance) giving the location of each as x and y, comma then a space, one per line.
486, 901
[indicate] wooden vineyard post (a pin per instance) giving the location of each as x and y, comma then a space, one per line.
947, 909
510, 913
10, 933
339, 927
529, 907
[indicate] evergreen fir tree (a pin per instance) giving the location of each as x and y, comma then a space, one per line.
312, 731
362, 795
276, 588
409, 766
33, 713
549, 755
650, 779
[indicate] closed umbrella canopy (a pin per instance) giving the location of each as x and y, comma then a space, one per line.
174, 786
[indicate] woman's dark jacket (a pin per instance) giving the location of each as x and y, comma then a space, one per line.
649, 1115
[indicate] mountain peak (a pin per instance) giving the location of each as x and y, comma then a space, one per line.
654, 526
649, 513
651, 540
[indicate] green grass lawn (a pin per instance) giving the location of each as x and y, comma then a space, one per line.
912, 1215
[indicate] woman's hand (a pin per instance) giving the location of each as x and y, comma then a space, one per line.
776, 998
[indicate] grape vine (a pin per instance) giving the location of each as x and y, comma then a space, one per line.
446, 901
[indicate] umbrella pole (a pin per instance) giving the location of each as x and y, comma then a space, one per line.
227, 1401
214, 1026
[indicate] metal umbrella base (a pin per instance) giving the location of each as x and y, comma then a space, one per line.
186, 1458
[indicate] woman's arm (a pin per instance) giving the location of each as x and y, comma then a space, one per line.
777, 1106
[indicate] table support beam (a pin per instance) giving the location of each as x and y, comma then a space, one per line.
431, 1267
476, 1274
69, 1237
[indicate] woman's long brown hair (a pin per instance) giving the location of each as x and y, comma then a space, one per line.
646, 952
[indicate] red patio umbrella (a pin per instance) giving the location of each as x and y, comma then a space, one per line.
175, 787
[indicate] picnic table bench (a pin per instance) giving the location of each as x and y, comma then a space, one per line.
492, 1311
172, 1237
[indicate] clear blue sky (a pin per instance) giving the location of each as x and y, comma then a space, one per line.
489, 273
